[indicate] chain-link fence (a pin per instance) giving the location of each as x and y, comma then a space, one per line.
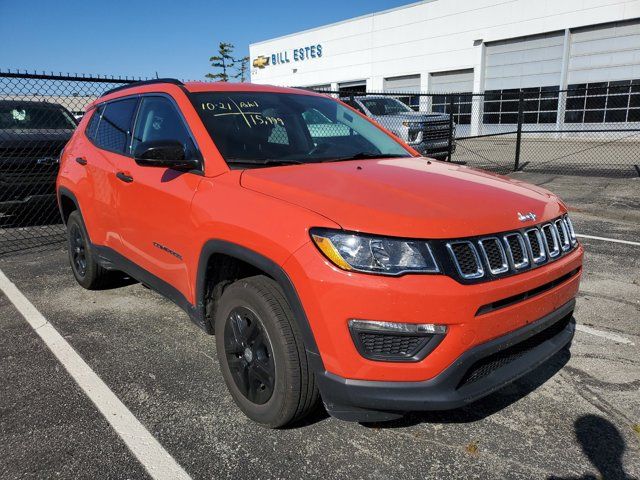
590, 129
38, 113
587, 130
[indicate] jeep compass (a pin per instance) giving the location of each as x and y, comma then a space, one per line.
331, 261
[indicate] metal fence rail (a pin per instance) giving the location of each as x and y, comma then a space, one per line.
38, 113
591, 131
586, 130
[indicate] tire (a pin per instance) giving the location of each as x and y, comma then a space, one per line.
261, 353
87, 272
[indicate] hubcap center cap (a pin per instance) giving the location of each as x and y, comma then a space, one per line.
248, 355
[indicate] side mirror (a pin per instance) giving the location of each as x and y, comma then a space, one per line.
164, 153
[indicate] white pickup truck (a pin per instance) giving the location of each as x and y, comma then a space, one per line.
428, 133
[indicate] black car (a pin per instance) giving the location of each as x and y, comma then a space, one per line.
32, 136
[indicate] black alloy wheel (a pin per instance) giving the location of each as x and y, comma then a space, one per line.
261, 353
249, 355
86, 270
78, 254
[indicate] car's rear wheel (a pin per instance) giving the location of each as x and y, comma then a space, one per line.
261, 353
87, 272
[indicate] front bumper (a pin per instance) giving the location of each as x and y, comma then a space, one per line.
475, 374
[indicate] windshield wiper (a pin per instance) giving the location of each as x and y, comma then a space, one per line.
364, 156
264, 161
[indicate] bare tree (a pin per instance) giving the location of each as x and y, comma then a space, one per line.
222, 61
242, 67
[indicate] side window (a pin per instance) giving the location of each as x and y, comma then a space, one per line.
114, 128
92, 128
157, 120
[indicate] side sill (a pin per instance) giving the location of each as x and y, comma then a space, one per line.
112, 260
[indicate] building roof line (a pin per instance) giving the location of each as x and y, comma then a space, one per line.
368, 15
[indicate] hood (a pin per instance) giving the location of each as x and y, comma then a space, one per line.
407, 197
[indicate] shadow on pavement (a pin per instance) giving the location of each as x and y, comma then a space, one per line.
603, 445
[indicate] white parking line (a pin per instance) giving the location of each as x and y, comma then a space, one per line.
605, 239
609, 336
155, 459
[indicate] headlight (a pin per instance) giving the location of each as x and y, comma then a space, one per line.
373, 254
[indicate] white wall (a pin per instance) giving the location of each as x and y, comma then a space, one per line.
425, 37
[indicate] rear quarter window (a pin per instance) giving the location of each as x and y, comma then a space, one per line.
113, 130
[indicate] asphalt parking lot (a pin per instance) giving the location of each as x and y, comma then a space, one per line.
577, 416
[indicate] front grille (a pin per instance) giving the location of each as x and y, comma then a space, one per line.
436, 131
486, 366
510, 253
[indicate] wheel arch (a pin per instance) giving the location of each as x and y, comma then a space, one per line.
67, 203
266, 266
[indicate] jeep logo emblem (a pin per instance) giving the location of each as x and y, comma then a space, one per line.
527, 216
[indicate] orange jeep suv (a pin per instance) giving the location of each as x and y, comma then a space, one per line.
329, 258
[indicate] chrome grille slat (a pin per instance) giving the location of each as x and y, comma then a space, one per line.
563, 234
538, 252
517, 252
464, 260
489, 247
551, 240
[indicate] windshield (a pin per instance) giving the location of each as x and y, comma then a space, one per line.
25, 116
260, 127
384, 106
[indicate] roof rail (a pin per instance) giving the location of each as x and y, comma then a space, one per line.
173, 81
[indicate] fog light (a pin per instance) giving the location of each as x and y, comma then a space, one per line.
395, 327
395, 342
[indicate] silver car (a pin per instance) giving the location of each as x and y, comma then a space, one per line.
428, 133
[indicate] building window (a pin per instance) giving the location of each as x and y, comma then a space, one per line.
539, 105
461, 106
411, 101
603, 102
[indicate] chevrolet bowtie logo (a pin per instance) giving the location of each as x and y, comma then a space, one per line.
261, 61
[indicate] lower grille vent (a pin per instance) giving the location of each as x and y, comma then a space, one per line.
488, 365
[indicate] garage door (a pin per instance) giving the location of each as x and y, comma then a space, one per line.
404, 84
524, 62
407, 84
604, 74
455, 81
603, 54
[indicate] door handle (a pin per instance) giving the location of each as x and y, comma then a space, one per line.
81, 160
124, 177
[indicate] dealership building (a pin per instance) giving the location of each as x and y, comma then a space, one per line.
493, 46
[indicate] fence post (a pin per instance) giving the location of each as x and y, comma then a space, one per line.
450, 140
516, 165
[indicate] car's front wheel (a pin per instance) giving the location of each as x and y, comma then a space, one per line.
261, 354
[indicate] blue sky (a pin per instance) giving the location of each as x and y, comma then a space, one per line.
173, 38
